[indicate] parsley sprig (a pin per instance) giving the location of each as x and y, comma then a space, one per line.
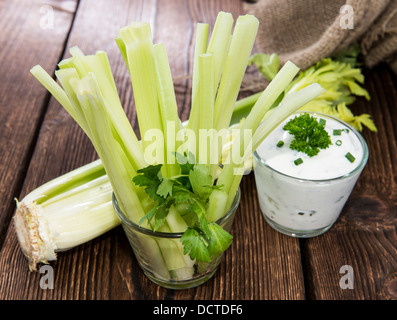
309, 135
189, 193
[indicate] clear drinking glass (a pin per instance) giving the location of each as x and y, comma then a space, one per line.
157, 251
304, 207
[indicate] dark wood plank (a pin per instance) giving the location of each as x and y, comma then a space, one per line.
27, 38
23, 102
365, 235
261, 264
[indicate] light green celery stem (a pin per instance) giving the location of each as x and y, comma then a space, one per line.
57, 92
206, 116
263, 104
200, 47
115, 161
172, 252
123, 50
219, 43
241, 45
78, 216
171, 125
216, 205
139, 47
97, 181
66, 182
169, 110
243, 107
100, 66
64, 77
118, 168
176, 224
291, 103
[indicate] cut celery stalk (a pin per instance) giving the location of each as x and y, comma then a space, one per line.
169, 110
140, 57
206, 105
219, 43
236, 63
57, 92
291, 103
200, 48
64, 212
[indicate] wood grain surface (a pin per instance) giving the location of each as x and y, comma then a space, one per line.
40, 141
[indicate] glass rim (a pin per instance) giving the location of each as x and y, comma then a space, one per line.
356, 169
169, 235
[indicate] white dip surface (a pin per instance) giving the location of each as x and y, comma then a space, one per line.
329, 163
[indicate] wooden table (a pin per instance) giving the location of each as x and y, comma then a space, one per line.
40, 141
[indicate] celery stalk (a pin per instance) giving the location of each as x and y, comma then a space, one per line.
140, 57
219, 43
206, 105
200, 48
58, 93
236, 63
169, 110
64, 212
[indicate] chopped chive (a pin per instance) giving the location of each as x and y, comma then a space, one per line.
322, 122
280, 143
350, 157
346, 130
338, 142
337, 132
298, 161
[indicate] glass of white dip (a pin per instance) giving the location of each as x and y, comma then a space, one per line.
304, 200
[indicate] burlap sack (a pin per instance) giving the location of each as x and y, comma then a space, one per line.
305, 31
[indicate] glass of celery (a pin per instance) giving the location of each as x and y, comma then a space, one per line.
178, 271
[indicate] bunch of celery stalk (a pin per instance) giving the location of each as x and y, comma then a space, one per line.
77, 207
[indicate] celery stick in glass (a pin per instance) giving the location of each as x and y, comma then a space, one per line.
200, 47
137, 39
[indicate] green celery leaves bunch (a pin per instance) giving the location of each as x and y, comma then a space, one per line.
341, 78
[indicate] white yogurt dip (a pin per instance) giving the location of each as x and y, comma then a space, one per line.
305, 200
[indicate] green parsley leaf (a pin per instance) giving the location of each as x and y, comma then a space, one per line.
165, 188
201, 180
186, 162
148, 178
309, 135
195, 244
220, 239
